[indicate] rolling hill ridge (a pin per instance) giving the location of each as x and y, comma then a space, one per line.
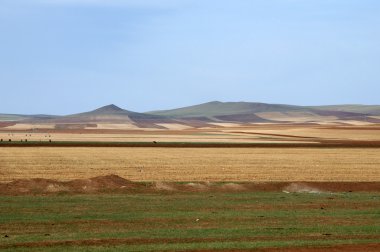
263, 112
210, 114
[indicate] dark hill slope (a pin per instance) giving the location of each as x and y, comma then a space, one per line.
252, 111
112, 114
16, 117
216, 108
353, 108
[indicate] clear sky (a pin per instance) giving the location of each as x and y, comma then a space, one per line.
68, 56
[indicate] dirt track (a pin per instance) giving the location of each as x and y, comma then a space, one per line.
317, 144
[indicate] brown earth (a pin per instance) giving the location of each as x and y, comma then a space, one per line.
375, 247
74, 126
6, 124
114, 183
48, 186
139, 241
298, 144
268, 134
290, 135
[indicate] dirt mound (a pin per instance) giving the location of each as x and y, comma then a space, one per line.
301, 188
265, 186
233, 187
326, 187
102, 183
26, 186
346, 186
116, 184
197, 186
162, 186
99, 184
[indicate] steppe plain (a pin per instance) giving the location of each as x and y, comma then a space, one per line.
224, 186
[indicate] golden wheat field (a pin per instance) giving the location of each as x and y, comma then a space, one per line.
192, 164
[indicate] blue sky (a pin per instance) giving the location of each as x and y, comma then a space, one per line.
68, 56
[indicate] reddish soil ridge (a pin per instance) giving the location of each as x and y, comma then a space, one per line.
140, 241
116, 184
374, 247
6, 124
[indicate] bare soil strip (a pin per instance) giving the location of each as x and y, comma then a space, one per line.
268, 134
314, 144
139, 241
375, 247
116, 184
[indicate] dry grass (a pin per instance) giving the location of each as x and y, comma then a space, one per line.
191, 164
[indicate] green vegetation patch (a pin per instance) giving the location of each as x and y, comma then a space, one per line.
138, 222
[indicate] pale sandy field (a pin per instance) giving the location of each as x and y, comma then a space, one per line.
327, 133
26, 126
259, 133
129, 137
294, 116
174, 126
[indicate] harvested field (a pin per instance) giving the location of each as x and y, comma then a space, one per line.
192, 164
232, 187
223, 133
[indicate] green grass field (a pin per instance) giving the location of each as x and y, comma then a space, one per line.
180, 221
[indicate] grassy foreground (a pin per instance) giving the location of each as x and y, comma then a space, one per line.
181, 221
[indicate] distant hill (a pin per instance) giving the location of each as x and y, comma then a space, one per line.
211, 114
15, 117
264, 112
217, 108
109, 113
113, 114
356, 108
